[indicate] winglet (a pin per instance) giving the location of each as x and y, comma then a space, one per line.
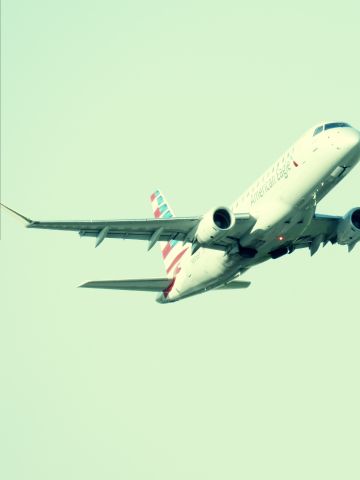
17, 214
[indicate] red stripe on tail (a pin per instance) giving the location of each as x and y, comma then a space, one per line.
166, 250
169, 288
176, 260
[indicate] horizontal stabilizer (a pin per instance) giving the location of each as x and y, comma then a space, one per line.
141, 284
234, 285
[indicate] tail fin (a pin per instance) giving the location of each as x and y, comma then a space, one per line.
173, 250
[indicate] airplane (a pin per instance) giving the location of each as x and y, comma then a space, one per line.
274, 217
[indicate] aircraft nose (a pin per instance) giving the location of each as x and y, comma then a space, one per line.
351, 138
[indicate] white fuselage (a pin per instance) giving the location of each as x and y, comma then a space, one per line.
282, 203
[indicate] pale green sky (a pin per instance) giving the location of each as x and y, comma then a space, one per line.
101, 103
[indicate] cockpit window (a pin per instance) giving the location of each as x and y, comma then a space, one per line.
336, 125
318, 130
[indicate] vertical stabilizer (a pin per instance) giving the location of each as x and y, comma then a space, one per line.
173, 250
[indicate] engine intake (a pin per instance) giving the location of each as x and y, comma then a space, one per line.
355, 218
348, 231
214, 225
222, 218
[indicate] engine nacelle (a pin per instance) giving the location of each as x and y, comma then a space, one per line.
348, 231
214, 225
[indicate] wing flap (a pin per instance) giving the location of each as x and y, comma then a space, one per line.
174, 224
322, 229
322, 225
140, 284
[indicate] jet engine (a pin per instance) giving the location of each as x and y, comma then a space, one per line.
348, 232
214, 225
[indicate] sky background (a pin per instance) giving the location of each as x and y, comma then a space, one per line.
102, 102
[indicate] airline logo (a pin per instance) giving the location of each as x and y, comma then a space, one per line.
160, 208
171, 251
280, 172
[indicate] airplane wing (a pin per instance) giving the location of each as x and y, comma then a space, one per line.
153, 230
322, 229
